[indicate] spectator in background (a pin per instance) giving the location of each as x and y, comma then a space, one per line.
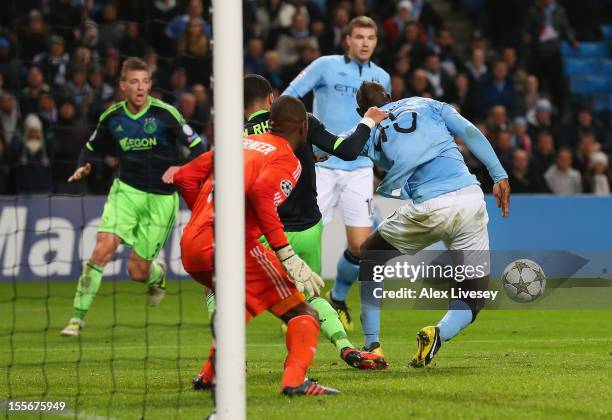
411, 43
178, 85
419, 85
587, 145
439, 80
132, 43
10, 66
476, 67
503, 148
520, 138
101, 92
54, 63
515, 70
9, 116
78, 89
332, 38
82, 57
187, 106
254, 56
540, 118
33, 39
523, 178
546, 26
582, 123
89, 37
112, 66
561, 178
47, 111
597, 179
461, 95
293, 39
398, 87
64, 16
497, 120
401, 67
68, 138
29, 152
498, 88
273, 70
528, 96
288, 9
444, 48
161, 12
193, 50
177, 26
544, 154
35, 87
394, 25
111, 31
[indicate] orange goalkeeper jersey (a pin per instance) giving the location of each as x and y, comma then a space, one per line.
271, 170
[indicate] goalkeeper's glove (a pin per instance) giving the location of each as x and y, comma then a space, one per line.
302, 276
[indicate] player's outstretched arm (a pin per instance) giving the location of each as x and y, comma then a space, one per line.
481, 148
189, 177
350, 147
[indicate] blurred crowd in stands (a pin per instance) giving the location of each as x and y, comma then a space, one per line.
60, 61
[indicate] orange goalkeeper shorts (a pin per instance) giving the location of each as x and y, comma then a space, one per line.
267, 284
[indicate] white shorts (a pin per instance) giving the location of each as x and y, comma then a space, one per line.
459, 219
350, 190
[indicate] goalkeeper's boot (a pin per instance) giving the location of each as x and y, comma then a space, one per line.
343, 312
157, 291
199, 383
74, 327
428, 344
361, 359
310, 388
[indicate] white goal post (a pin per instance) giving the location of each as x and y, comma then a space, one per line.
229, 209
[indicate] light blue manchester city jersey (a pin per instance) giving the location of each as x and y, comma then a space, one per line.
335, 80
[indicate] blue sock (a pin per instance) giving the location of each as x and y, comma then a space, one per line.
348, 270
370, 312
458, 317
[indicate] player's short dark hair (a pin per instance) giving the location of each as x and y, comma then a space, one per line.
131, 64
256, 88
371, 94
287, 110
361, 22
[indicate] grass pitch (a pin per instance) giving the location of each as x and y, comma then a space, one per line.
509, 364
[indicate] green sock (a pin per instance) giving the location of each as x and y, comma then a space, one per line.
331, 327
88, 286
210, 303
155, 273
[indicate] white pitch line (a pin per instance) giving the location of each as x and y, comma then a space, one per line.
154, 346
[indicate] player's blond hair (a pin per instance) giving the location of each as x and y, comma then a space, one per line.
131, 64
361, 22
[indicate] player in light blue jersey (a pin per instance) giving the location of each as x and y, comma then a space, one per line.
334, 80
416, 147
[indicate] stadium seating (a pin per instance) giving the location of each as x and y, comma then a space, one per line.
589, 70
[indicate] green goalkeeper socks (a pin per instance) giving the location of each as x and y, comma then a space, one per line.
155, 273
331, 327
88, 286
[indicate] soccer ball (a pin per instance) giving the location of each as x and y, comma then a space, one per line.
523, 280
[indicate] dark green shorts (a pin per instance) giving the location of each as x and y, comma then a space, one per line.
142, 220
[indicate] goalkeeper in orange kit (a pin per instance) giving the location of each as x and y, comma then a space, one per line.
275, 279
